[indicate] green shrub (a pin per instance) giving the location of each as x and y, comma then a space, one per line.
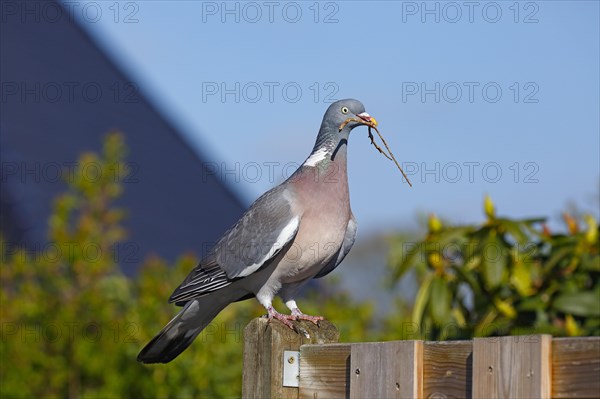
503, 277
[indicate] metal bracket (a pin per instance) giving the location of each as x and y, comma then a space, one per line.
291, 368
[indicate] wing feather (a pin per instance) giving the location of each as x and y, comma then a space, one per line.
260, 234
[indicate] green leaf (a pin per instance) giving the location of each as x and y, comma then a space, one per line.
469, 277
532, 304
515, 230
584, 304
408, 257
486, 326
453, 234
421, 300
590, 263
521, 279
439, 300
494, 262
533, 220
556, 257
459, 317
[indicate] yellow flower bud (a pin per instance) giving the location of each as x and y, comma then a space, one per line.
489, 208
435, 260
571, 326
434, 224
506, 308
591, 235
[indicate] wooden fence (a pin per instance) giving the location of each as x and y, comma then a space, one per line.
278, 363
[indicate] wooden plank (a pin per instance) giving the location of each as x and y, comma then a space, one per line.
386, 369
512, 367
324, 371
447, 369
264, 344
576, 367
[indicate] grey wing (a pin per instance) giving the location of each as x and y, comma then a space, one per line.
266, 227
259, 235
202, 280
344, 249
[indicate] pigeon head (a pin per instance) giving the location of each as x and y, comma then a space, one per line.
349, 110
340, 118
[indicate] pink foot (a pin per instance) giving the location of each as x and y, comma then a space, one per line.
284, 318
301, 316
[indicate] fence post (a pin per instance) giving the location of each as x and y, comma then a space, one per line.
386, 369
512, 367
325, 371
264, 345
448, 369
576, 367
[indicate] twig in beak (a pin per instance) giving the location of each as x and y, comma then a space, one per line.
343, 125
363, 122
376, 146
391, 154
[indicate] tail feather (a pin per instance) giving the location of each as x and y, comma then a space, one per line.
181, 331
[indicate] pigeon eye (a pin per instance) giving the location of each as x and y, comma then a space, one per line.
344, 110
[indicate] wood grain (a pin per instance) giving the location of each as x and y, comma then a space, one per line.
391, 369
324, 371
576, 367
447, 369
512, 367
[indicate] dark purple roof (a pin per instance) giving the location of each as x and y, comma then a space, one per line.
60, 96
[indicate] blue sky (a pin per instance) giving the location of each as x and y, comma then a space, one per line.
474, 98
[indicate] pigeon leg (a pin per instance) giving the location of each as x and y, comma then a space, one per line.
265, 298
298, 315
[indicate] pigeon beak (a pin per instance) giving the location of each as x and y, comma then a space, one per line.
369, 120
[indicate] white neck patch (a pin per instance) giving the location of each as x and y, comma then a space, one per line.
321, 154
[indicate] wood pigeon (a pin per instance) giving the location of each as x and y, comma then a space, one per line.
297, 231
